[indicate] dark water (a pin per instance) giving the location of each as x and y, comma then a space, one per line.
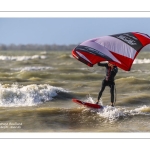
36, 91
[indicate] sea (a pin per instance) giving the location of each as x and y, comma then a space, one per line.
37, 88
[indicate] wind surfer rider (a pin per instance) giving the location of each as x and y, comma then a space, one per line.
111, 71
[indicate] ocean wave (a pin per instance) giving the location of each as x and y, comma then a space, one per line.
137, 98
21, 58
64, 56
30, 95
133, 80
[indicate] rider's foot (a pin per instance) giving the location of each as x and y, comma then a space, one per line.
112, 104
97, 102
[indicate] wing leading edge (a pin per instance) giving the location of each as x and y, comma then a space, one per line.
120, 49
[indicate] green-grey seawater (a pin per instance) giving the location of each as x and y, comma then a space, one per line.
37, 87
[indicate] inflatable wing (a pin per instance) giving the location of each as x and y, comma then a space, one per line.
119, 49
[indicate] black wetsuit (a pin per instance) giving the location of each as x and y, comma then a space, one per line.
109, 80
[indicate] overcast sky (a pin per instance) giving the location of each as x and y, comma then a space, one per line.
65, 30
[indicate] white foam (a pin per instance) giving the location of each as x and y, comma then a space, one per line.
21, 58
33, 68
139, 110
114, 113
141, 61
30, 95
43, 53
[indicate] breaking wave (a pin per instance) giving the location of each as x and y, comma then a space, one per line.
141, 61
33, 68
21, 58
30, 95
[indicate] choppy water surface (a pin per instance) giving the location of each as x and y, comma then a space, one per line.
36, 91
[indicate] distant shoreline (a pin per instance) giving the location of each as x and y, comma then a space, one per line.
45, 47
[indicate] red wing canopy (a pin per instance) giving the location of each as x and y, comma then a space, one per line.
119, 49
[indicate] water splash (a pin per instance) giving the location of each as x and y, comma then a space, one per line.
114, 113
90, 100
111, 113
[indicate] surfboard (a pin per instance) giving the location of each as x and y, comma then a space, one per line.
86, 104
